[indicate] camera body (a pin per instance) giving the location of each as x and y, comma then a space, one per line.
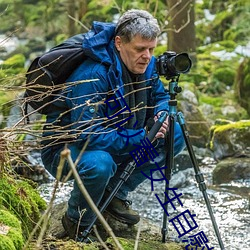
171, 65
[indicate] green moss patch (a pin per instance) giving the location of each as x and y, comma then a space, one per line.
10, 231
231, 134
22, 200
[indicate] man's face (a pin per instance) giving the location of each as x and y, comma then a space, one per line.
137, 53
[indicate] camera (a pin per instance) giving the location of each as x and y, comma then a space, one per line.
171, 65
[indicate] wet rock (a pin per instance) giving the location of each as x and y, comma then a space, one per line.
231, 169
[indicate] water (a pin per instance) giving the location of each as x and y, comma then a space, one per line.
230, 204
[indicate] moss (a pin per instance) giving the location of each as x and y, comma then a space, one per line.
9, 219
214, 101
225, 75
13, 239
128, 244
16, 61
229, 45
6, 96
239, 129
236, 125
13, 71
16, 237
21, 199
6, 243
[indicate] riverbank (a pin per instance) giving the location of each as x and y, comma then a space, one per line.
230, 203
145, 234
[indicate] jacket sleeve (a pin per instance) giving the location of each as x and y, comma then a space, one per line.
88, 118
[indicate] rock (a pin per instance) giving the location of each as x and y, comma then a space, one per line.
232, 139
197, 125
190, 96
231, 169
150, 235
182, 178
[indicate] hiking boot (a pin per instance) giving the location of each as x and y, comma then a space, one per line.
121, 211
75, 231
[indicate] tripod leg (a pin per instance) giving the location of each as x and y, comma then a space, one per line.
124, 176
168, 171
199, 176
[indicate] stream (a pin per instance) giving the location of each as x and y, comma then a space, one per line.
230, 203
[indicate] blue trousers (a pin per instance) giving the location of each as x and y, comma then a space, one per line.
100, 170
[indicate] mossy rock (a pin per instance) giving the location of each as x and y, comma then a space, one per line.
21, 199
150, 235
11, 237
232, 139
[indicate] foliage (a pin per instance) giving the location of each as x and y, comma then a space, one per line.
222, 106
242, 84
228, 23
49, 20
12, 69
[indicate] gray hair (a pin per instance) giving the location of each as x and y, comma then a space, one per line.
137, 22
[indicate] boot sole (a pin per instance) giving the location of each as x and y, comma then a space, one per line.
121, 219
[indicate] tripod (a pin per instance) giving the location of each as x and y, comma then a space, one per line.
131, 165
173, 90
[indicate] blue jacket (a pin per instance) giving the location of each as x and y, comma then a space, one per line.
89, 113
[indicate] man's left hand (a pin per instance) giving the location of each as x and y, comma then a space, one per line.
164, 128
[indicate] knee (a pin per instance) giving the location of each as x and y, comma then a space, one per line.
98, 165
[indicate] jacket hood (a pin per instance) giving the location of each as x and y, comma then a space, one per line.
98, 43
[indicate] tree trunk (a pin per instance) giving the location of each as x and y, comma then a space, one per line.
83, 7
181, 27
71, 6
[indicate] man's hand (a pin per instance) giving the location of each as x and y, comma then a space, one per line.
164, 128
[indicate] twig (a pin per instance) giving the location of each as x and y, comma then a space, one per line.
99, 238
137, 236
77, 21
66, 154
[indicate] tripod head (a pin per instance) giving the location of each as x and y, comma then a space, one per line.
174, 89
